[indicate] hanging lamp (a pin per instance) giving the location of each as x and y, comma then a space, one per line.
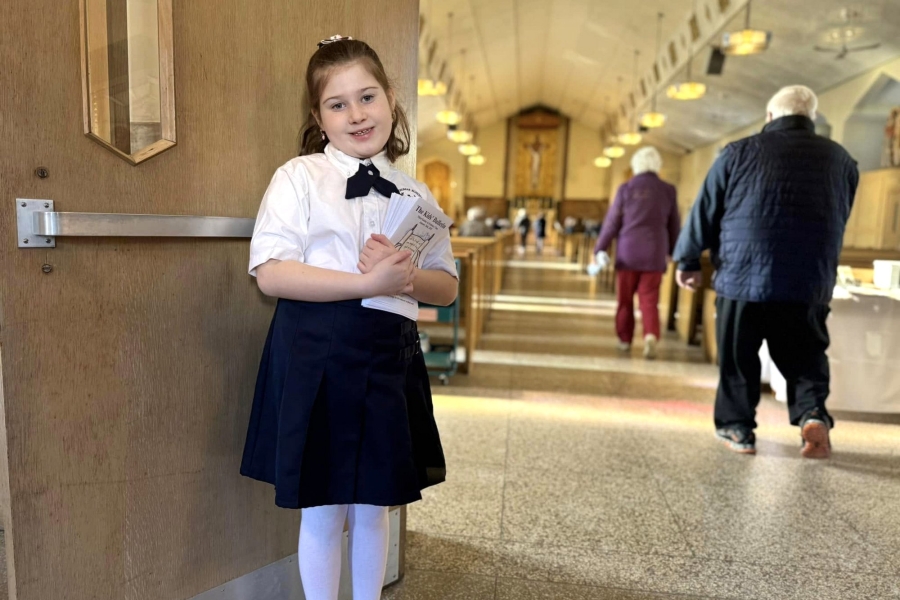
690, 89
476, 159
602, 162
457, 135
747, 41
428, 85
612, 148
449, 116
654, 119
469, 149
633, 137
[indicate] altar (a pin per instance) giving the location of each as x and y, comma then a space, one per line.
864, 355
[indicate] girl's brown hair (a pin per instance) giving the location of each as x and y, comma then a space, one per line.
321, 64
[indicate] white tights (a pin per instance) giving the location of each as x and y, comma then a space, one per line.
321, 531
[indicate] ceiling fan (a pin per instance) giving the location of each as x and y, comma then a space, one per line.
844, 50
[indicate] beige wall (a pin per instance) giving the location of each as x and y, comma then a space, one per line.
487, 180
583, 179
836, 104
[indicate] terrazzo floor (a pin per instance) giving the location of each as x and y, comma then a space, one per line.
579, 473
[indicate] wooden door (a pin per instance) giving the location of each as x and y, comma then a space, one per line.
128, 364
437, 178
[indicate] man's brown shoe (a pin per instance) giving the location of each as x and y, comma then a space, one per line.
816, 444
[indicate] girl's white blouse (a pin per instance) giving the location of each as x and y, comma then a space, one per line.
305, 217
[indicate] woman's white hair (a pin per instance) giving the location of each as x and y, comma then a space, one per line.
793, 100
646, 159
476, 213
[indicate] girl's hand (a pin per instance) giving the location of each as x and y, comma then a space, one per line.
391, 276
377, 248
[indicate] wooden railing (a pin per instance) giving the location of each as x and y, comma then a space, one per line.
690, 304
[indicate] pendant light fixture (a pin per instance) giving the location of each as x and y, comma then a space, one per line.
690, 89
613, 149
458, 133
604, 161
476, 160
747, 41
632, 137
654, 119
428, 85
469, 149
449, 116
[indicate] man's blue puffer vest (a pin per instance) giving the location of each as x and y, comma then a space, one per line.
789, 195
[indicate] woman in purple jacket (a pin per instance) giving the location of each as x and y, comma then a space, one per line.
644, 220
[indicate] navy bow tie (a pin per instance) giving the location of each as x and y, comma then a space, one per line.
365, 179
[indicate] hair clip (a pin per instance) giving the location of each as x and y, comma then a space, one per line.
333, 39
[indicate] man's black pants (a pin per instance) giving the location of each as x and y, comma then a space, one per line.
797, 338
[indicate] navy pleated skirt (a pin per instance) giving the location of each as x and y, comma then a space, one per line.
331, 421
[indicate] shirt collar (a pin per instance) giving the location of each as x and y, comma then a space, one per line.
790, 122
349, 165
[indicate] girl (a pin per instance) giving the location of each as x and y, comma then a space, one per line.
341, 421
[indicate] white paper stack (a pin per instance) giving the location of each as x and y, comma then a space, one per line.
416, 225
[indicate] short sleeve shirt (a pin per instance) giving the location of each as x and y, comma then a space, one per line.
304, 215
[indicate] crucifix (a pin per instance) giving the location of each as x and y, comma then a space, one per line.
535, 150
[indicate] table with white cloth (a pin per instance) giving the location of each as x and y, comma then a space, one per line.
864, 355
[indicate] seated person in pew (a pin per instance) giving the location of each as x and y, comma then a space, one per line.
475, 225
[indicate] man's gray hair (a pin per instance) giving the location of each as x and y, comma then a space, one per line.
646, 159
793, 100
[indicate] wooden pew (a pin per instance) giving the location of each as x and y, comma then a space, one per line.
489, 259
690, 304
708, 341
467, 335
482, 261
668, 299
573, 246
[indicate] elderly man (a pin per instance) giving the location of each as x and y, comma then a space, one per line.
772, 212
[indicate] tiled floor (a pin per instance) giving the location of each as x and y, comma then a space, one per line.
575, 472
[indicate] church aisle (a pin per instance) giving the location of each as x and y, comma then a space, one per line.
575, 472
